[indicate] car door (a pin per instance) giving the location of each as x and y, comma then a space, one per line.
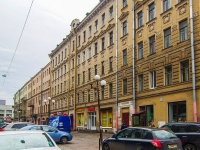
52, 132
194, 135
181, 132
118, 143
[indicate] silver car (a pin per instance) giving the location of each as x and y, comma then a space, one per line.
26, 140
16, 126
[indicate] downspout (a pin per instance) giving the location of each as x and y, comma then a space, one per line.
193, 62
133, 43
116, 65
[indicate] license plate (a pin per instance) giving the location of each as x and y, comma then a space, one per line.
172, 146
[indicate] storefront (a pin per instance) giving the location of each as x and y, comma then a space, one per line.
80, 121
91, 125
107, 117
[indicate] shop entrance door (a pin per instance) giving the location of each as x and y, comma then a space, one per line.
92, 121
125, 118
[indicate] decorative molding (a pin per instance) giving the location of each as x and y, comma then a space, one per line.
151, 26
166, 18
123, 15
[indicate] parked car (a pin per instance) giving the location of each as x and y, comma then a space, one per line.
143, 138
188, 132
57, 135
26, 140
16, 126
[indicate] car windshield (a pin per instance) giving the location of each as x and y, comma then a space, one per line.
25, 141
164, 134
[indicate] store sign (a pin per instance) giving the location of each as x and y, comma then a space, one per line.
91, 109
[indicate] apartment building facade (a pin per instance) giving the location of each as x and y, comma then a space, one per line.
143, 49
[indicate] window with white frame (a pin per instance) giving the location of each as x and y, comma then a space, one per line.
78, 59
166, 5
167, 38
168, 75
78, 79
124, 28
140, 50
90, 31
72, 63
152, 48
79, 40
111, 38
83, 97
124, 3
183, 27
84, 56
83, 77
185, 71
78, 97
140, 19
141, 82
89, 52
151, 11
96, 25
111, 12
95, 48
103, 19
152, 79
88, 95
89, 74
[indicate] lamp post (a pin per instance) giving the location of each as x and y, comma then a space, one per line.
45, 101
103, 83
19, 111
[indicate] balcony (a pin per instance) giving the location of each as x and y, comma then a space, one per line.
30, 103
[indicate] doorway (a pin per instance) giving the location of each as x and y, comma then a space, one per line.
92, 121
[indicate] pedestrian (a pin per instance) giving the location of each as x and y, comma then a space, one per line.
123, 125
151, 124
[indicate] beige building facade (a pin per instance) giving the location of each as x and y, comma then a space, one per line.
143, 50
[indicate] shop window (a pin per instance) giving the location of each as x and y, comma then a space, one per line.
106, 118
80, 119
177, 111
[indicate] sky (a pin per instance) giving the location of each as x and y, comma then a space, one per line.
48, 23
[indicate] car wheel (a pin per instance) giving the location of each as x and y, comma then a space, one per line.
106, 147
64, 140
189, 147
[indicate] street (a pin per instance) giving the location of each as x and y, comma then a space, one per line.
84, 141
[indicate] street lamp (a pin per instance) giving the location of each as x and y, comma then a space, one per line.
19, 111
103, 83
45, 101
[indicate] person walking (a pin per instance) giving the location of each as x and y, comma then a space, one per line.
123, 125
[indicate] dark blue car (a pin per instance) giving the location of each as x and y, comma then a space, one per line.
56, 135
139, 138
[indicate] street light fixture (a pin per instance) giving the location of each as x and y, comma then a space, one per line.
45, 101
103, 83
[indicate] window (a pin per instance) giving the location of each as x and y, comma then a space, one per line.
95, 70
84, 56
72, 100
65, 52
96, 25
89, 96
79, 40
167, 38
124, 57
89, 74
78, 59
111, 64
107, 114
111, 12
140, 19
83, 76
166, 5
83, 97
103, 19
168, 75
185, 71
72, 81
78, 97
62, 56
141, 82
72, 45
110, 90
103, 43
90, 31
151, 11
111, 38
183, 27
96, 48
152, 79
124, 28
84, 36
140, 50
78, 79
72, 63
102, 92
56, 61
124, 3
89, 53
124, 86
152, 45
102, 67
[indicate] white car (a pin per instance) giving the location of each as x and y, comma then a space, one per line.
16, 126
26, 140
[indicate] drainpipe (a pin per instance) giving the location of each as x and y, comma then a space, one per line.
193, 62
116, 65
133, 41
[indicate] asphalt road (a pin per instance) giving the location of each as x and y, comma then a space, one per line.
83, 141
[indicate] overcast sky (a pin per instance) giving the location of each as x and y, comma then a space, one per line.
48, 23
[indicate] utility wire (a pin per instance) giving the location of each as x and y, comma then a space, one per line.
16, 46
